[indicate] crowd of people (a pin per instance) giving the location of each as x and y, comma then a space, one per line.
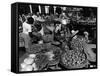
53, 38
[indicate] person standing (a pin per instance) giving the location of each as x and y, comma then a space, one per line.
27, 29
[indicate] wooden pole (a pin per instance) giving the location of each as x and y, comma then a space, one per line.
39, 9
46, 9
31, 9
54, 9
